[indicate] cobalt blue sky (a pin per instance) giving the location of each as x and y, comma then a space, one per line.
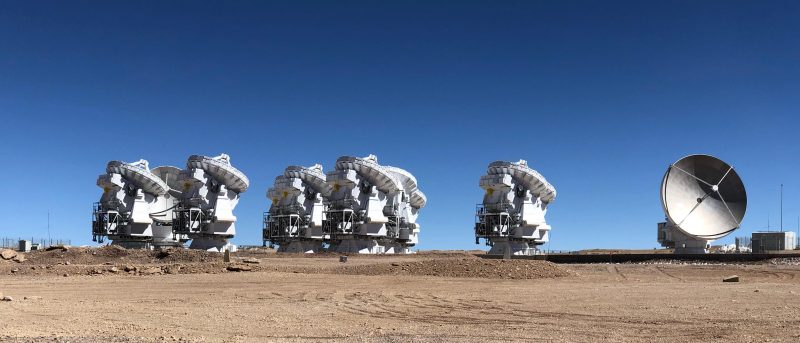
599, 96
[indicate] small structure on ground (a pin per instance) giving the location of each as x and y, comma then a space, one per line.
763, 242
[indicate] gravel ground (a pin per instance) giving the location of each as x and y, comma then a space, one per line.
437, 297
464, 267
112, 260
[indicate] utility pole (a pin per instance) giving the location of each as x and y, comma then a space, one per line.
781, 207
48, 225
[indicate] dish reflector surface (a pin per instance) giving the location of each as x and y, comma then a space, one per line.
220, 168
418, 199
312, 175
703, 196
170, 175
527, 176
409, 182
138, 174
369, 168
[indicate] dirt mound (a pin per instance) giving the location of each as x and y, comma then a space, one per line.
179, 255
71, 255
271, 253
115, 260
117, 254
463, 268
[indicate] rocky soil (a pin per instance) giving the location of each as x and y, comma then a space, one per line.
447, 297
114, 260
463, 267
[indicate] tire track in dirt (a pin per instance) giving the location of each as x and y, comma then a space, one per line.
777, 276
661, 270
427, 309
431, 309
614, 271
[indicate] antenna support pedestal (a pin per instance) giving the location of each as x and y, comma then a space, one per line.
669, 236
504, 246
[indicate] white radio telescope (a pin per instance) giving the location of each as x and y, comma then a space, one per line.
211, 188
130, 211
373, 208
163, 215
703, 199
294, 221
511, 217
407, 210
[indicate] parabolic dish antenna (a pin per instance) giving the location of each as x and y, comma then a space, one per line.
525, 175
408, 181
373, 172
139, 175
417, 199
312, 175
703, 196
221, 169
170, 175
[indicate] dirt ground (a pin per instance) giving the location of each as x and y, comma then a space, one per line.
428, 297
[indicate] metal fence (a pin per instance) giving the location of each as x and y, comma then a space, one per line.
13, 243
744, 241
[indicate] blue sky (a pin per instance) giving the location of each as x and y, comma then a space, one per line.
599, 96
